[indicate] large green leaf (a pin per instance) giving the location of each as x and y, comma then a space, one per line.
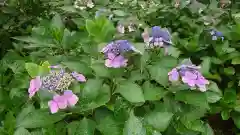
91, 89
131, 91
32, 69
134, 126
192, 97
159, 74
22, 131
38, 118
83, 127
159, 120
110, 126
78, 66
152, 92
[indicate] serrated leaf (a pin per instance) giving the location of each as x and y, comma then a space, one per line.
193, 98
159, 74
32, 69
152, 92
159, 120
22, 131
78, 66
134, 126
131, 91
109, 126
83, 127
91, 89
39, 118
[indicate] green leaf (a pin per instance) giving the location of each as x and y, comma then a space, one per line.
159, 120
39, 118
131, 91
78, 66
100, 70
229, 71
174, 52
9, 122
86, 104
159, 74
230, 96
22, 131
205, 65
213, 97
193, 98
225, 114
32, 69
236, 119
109, 126
196, 125
119, 12
236, 61
152, 92
91, 89
134, 126
57, 22
208, 130
83, 127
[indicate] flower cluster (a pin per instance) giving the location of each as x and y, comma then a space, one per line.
189, 75
114, 53
57, 81
83, 4
216, 34
130, 27
158, 37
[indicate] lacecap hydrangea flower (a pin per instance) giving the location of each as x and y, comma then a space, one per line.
190, 75
129, 27
58, 82
216, 34
114, 53
157, 37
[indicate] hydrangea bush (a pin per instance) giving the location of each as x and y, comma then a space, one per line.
125, 68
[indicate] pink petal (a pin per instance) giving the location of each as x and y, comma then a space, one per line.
188, 81
72, 99
61, 101
79, 77
35, 85
190, 75
53, 106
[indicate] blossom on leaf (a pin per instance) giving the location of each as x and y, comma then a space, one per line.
35, 85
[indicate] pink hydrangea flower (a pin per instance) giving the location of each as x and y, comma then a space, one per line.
115, 61
68, 99
190, 76
79, 77
35, 85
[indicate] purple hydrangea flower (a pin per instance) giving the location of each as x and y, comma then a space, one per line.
115, 61
114, 53
190, 75
158, 37
216, 34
